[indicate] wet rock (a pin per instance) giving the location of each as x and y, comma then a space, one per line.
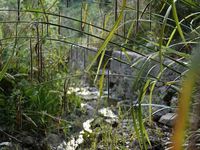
5, 144
89, 97
62, 146
168, 119
107, 112
158, 113
71, 145
87, 125
11, 146
74, 143
86, 93
109, 116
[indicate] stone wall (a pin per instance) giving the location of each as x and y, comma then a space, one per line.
122, 75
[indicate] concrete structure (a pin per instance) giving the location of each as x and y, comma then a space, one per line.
123, 72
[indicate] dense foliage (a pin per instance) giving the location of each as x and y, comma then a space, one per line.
36, 40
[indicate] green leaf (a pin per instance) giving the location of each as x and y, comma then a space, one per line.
102, 78
177, 21
102, 49
162, 36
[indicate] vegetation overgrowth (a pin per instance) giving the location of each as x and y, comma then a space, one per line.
36, 43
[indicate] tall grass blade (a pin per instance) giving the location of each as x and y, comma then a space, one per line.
139, 127
101, 80
136, 129
162, 37
174, 30
184, 102
175, 15
85, 14
102, 49
44, 10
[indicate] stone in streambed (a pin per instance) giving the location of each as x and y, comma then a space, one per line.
168, 119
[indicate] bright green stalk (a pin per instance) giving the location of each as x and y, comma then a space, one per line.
177, 21
102, 49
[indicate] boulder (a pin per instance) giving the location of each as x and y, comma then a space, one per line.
168, 119
122, 75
